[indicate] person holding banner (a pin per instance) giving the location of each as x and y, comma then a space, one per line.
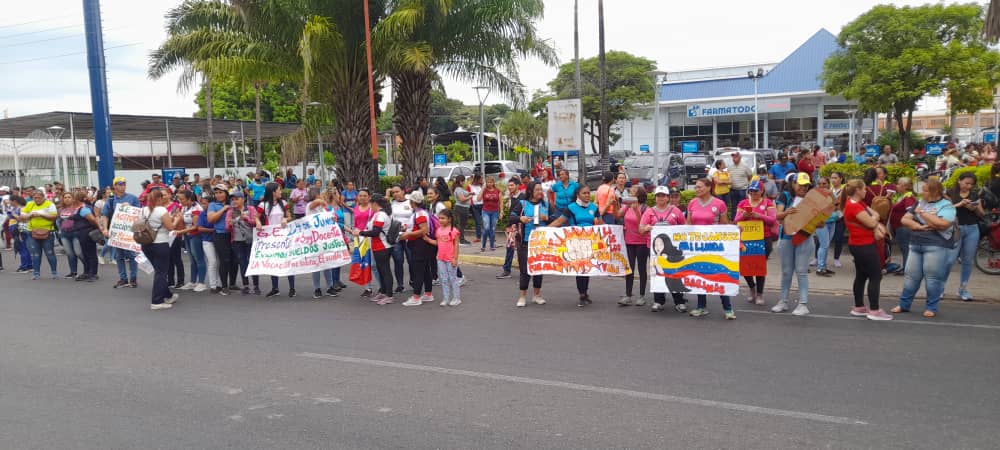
222, 238
756, 207
241, 220
794, 258
636, 244
329, 201
665, 212
531, 213
581, 213
121, 255
275, 213
705, 209
381, 250
158, 219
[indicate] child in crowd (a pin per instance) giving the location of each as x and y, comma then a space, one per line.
446, 239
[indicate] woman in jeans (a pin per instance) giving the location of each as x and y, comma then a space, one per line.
222, 238
476, 188
704, 209
161, 223
824, 233
40, 214
207, 246
489, 202
933, 247
861, 224
190, 213
68, 207
530, 213
84, 222
968, 210
462, 208
794, 258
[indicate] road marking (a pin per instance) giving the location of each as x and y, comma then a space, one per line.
589, 388
894, 320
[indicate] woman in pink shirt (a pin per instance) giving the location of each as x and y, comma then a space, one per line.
636, 245
299, 198
664, 212
707, 210
758, 207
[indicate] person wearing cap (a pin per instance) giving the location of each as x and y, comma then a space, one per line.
666, 211
222, 238
794, 258
422, 253
122, 256
757, 207
242, 220
157, 183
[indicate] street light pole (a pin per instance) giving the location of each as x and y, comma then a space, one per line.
236, 160
656, 124
755, 76
482, 93
56, 132
497, 121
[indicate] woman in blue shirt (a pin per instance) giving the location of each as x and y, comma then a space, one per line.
530, 213
581, 213
564, 191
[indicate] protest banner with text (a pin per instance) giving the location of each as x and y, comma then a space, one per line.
307, 245
120, 230
695, 259
580, 251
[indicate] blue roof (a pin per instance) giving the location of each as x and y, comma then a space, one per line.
798, 72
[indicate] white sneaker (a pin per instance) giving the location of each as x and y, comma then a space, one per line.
812, 262
656, 307
521, 302
681, 308
640, 300
782, 306
100, 260
837, 264
161, 306
200, 287
427, 298
187, 286
801, 310
413, 301
443, 302
172, 299
538, 300
455, 302
760, 299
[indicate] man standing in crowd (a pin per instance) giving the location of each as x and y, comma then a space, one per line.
781, 169
740, 175
121, 197
887, 158
156, 184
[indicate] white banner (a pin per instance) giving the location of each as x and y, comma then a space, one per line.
120, 230
695, 259
565, 125
307, 245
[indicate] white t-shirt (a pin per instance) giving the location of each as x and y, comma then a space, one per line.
274, 215
403, 213
189, 214
383, 218
438, 207
156, 223
475, 189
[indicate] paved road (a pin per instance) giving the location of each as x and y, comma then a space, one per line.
85, 366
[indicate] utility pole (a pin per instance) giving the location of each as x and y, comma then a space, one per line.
605, 166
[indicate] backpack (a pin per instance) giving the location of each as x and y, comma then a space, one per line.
392, 230
432, 224
142, 234
881, 204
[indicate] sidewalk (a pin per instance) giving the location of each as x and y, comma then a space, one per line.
980, 285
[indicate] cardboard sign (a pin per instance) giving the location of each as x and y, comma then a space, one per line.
812, 211
593, 251
310, 244
695, 259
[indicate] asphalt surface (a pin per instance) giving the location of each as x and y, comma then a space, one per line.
86, 366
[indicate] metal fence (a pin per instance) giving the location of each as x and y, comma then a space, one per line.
43, 157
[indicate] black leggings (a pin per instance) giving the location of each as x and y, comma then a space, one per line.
867, 268
661, 298
522, 265
242, 250
384, 272
638, 260
224, 253
838, 238
758, 284
582, 284
176, 262
420, 273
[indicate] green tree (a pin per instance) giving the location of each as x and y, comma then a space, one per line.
279, 101
478, 41
891, 57
628, 84
523, 129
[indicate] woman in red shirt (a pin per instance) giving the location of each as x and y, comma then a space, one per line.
861, 224
490, 196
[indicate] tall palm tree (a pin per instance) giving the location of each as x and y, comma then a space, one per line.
477, 41
992, 26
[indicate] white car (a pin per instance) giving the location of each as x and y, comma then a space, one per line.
502, 170
450, 171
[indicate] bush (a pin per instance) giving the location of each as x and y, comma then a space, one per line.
982, 176
854, 170
891, 137
686, 197
387, 182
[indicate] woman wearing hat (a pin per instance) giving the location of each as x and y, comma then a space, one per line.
757, 207
422, 253
794, 258
666, 211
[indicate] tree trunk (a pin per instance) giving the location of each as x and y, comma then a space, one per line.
258, 154
351, 138
904, 138
208, 114
952, 119
411, 114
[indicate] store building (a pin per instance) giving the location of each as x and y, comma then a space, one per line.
715, 107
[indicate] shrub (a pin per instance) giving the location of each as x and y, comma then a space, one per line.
854, 170
686, 197
982, 176
387, 182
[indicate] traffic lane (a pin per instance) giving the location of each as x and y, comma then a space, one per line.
557, 341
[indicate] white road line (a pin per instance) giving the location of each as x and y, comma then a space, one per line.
894, 320
588, 388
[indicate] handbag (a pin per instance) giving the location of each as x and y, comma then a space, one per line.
96, 236
41, 234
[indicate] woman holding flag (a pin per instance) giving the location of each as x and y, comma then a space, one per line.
381, 250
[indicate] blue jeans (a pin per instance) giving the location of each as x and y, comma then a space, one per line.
823, 234
24, 250
478, 218
197, 253
400, 250
901, 236
508, 260
133, 267
327, 274
448, 276
71, 245
930, 264
967, 250
490, 219
795, 261
735, 197
36, 248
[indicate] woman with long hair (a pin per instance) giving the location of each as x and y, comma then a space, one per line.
583, 213
705, 209
489, 206
757, 207
319, 203
362, 212
381, 250
794, 258
666, 211
275, 214
862, 225
933, 246
422, 252
68, 207
476, 188
85, 221
636, 245
191, 212
206, 231
462, 208
222, 238
530, 213
721, 182
969, 209
900, 234
162, 223
175, 274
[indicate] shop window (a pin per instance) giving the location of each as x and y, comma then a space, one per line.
776, 124
725, 128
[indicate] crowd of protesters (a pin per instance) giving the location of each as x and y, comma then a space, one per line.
214, 221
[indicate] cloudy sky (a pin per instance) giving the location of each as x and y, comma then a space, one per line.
43, 66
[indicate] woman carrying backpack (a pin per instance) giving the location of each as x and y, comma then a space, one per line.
276, 214
161, 223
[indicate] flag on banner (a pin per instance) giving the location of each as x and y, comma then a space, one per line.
361, 262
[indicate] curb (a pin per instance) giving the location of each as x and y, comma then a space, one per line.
484, 260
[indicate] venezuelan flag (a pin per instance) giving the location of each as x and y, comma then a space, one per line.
361, 262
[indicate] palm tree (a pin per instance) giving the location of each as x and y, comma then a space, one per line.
992, 26
472, 40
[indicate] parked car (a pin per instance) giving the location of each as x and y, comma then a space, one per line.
695, 167
592, 167
502, 170
641, 171
450, 171
769, 155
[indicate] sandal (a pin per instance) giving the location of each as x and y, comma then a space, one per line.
930, 314
898, 310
